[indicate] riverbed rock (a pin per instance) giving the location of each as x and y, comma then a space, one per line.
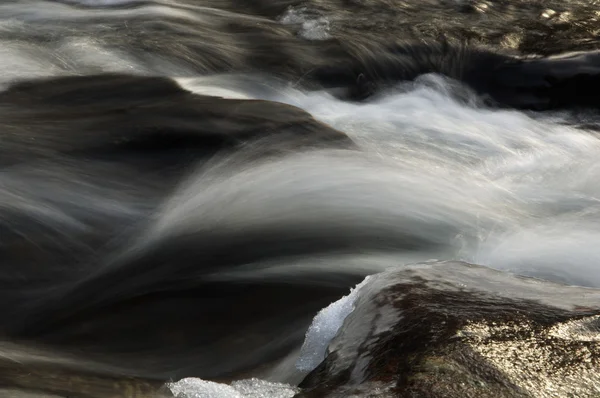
33, 373
451, 329
131, 118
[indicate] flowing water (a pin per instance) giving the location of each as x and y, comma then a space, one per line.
511, 190
438, 174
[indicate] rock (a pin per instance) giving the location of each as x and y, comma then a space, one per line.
120, 136
132, 118
26, 373
451, 329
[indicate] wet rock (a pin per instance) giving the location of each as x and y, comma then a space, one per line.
24, 380
132, 118
141, 129
547, 14
450, 329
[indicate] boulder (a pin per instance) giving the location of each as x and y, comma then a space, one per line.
451, 329
148, 122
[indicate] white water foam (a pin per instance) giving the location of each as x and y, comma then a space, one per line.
531, 183
522, 190
312, 25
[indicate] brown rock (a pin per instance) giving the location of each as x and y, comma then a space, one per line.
452, 329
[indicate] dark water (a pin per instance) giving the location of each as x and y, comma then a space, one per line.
155, 233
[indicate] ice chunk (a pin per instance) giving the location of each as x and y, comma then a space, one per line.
198, 388
251, 388
256, 388
324, 328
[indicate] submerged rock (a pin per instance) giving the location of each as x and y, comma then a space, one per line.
127, 116
451, 329
29, 374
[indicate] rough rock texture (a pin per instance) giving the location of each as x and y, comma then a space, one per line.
452, 329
